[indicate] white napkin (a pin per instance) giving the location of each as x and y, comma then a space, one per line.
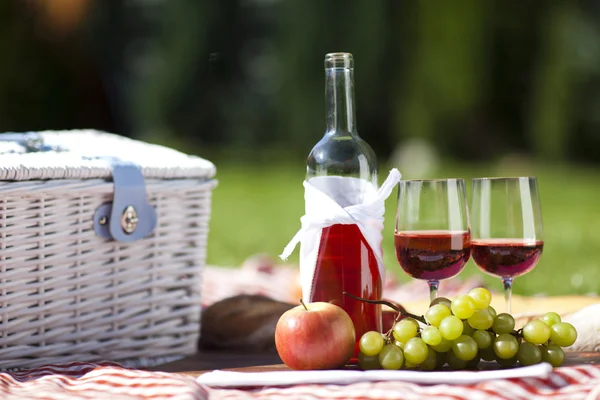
331, 200
219, 378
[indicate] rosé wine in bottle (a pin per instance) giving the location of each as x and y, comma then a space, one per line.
344, 167
346, 263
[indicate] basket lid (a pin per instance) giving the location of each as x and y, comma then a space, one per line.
87, 154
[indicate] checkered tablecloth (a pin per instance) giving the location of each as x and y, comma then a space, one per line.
110, 381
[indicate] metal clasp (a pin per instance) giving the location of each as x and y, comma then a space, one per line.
129, 216
129, 219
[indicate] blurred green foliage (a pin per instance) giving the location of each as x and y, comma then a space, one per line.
487, 87
478, 79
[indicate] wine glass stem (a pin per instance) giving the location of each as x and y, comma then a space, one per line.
433, 289
507, 283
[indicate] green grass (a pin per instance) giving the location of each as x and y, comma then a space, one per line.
257, 209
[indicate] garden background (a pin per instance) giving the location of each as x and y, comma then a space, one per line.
460, 88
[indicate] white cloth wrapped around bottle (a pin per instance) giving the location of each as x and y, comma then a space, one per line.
331, 200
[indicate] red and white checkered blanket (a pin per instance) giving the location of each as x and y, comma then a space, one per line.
109, 381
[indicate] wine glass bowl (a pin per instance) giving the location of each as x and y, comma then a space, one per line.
432, 236
506, 228
506, 258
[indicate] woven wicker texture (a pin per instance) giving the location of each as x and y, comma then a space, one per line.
68, 295
82, 155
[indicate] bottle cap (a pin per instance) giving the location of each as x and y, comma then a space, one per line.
339, 60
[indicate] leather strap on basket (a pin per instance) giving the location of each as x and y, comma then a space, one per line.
129, 217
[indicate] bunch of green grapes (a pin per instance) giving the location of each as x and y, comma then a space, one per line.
462, 332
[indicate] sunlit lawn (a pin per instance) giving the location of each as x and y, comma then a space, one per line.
256, 209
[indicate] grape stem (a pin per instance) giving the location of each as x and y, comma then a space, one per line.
516, 333
400, 310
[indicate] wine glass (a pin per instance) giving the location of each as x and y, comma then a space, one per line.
432, 237
507, 228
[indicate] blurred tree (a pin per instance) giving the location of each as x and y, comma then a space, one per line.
476, 79
446, 73
516, 29
552, 100
46, 69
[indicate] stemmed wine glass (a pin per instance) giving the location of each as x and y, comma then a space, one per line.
507, 228
432, 237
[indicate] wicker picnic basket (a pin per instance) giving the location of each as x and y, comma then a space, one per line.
98, 268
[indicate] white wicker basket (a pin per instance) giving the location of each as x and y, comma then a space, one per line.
67, 294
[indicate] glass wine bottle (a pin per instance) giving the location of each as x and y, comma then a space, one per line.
344, 166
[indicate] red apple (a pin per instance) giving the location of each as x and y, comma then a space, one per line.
315, 336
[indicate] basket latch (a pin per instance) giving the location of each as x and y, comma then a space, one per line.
129, 216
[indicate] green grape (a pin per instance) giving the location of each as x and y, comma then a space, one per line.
451, 327
391, 357
430, 362
487, 354
436, 313
529, 354
507, 362
441, 300
371, 343
506, 346
444, 346
492, 311
431, 335
467, 329
414, 321
482, 297
482, 338
454, 362
481, 319
563, 334
551, 318
553, 354
404, 330
536, 332
409, 365
463, 306
415, 351
368, 362
399, 344
504, 323
464, 347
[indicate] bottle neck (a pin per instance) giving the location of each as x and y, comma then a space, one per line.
339, 93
